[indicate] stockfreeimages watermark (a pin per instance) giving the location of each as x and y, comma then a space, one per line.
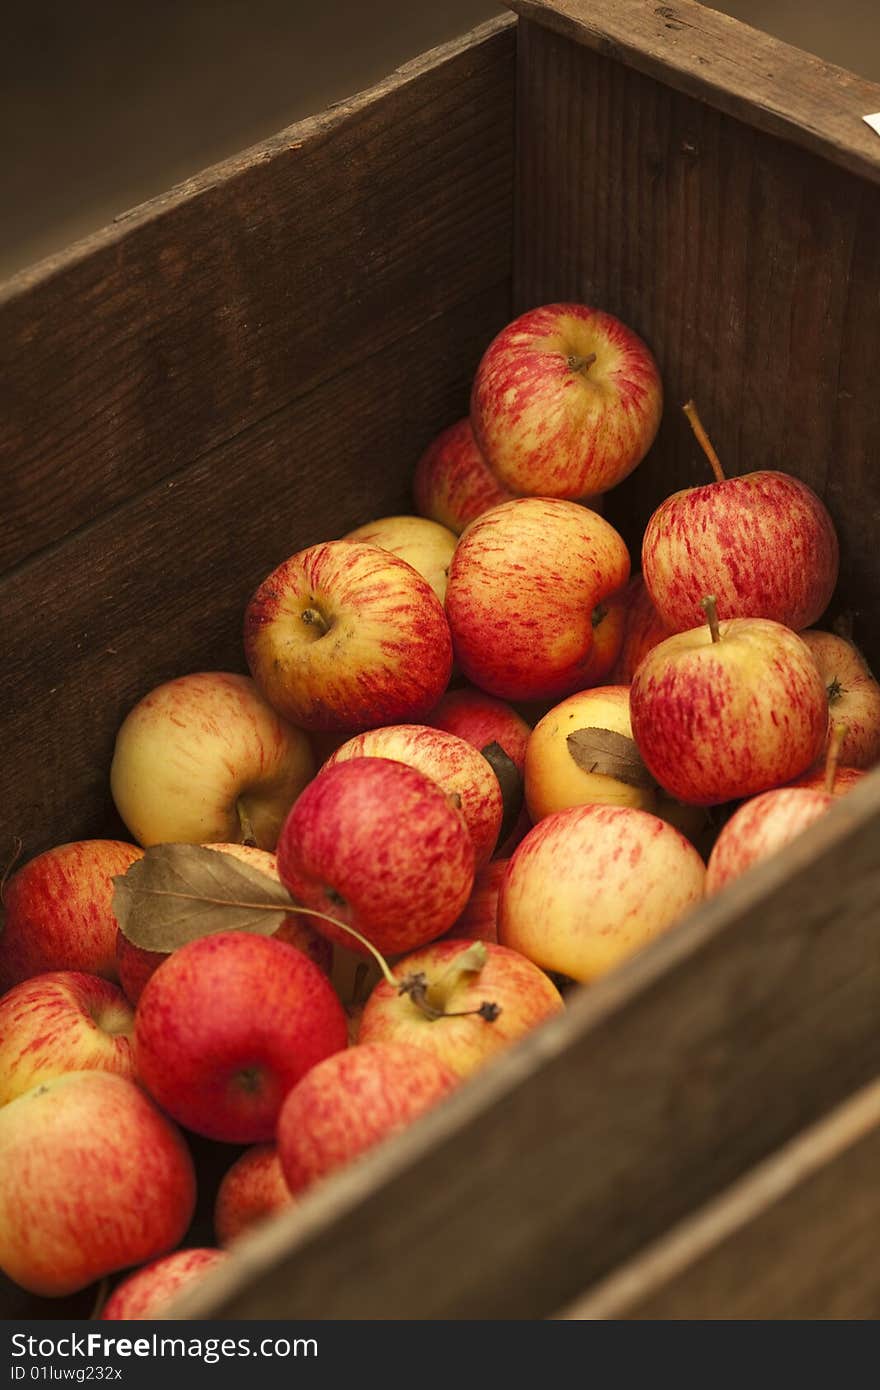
98, 1347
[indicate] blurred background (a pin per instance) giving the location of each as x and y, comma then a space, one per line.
103, 105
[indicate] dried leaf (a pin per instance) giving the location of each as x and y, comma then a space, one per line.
178, 893
511, 784
614, 755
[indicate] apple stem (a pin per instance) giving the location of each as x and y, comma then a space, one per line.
580, 364
710, 608
247, 829
16, 853
417, 987
100, 1298
832, 758
380, 960
705, 442
315, 619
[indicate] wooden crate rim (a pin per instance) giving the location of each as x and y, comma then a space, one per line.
741, 71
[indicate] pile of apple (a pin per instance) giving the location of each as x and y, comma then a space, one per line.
376, 792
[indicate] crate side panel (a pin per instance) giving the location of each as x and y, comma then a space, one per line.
158, 587
205, 311
795, 1238
749, 266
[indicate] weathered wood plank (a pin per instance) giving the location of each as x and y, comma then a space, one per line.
201, 312
159, 585
658, 1087
741, 71
748, 265
796, 1238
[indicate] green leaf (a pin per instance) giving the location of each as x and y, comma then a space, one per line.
178, 893
511, 784
609, 753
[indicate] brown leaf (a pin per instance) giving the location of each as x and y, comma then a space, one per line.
511, 784
178, 893
614, 755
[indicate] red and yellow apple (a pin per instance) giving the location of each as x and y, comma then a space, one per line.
252, 1190
453, 483
482, 720
95, 1179
479, 919
590, 886
582, 752
761, 827
227, 1025
644, 629
62, 1021
58, 911
347, 636
566, 401
424, 544
853, 696
457, 984
351, 1102
377, 845
454, 765
763, 544
727, 711
147, 1292
524, 584
205, 759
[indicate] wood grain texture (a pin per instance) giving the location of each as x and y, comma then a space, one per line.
202, 312
741, 71
159, 585
749, 266
796, 1238
658, 1087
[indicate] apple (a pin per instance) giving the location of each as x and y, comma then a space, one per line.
58, 911
482, 720
148, 1292
62, 1021
347, 636
609, 629
252, 1190
424, 544
377, 845
760, 827
479, 919
644, 629
94, 1179
524, 584
763, 544
136, 964
566, 401
853, 695
577, 750
728, 710
204, 759
458, 769
224, 1028
351, 1102
591, 885
460, 983
453, 483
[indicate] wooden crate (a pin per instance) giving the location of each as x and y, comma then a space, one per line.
255, 361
